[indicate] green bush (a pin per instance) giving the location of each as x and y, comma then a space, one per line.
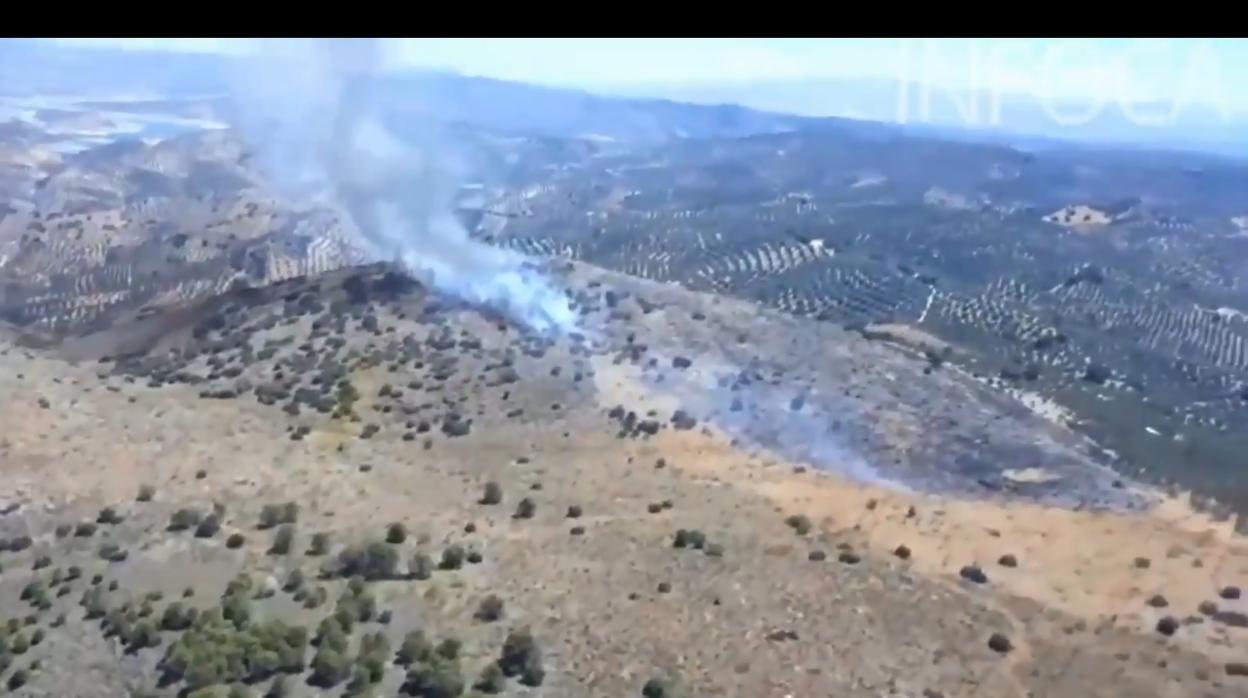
86, 529
449, 648
112, 552
331, 634
18, 679
396, 533
216, 651
282, 540
272, 515
294, 581
415, 648
522, 657
319, 545
208, 527
800, 523
492, 680
143, 635
452, 557
493, 494
421, 567
183, 519
658, 688
109, 516
373, 561
525, 509
175, 618
329, 667
435, 678
280, 688
490, 609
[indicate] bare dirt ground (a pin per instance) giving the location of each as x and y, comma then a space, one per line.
766, 611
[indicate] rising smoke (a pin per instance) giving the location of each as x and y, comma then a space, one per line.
310, 112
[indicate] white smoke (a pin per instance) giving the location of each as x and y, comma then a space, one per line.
309, 112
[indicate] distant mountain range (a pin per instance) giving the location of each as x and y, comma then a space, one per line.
644, 113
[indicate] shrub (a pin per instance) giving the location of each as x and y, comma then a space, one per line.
372, 561
183, 519
449, 648
490, 609
235, 541
146, 492
525, 509
41, 562
396, 533
799, 523
176, 618
331, 634
208, 527
421, 567
329, 668
143, 635
436, 678
86, 529
282, 540
108, 516
522, 657
658, 688
492, 680
279, 688
574, 511
319, 545
415, 648
272, 515
452, 557
493, 494
294, 581
63, 530
112, 552
18, 679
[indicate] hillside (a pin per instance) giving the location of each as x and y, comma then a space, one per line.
784, 581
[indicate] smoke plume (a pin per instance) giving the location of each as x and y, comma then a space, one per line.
311, 114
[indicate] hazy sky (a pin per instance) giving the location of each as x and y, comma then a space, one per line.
1199, 71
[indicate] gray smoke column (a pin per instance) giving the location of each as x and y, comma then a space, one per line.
309, 112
